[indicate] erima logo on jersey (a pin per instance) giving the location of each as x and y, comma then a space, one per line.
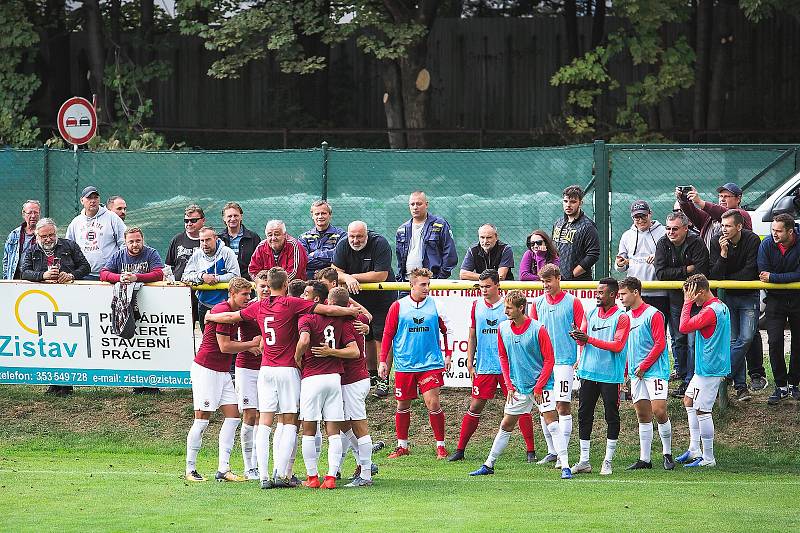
595, 328
418, 329
418, 320
491, 322
488, 331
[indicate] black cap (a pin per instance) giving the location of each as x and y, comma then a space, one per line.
91, 189
731, 187
640, 207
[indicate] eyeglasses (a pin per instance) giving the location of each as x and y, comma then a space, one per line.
29, 213
639, 216
191, 220
537, 243
673, 228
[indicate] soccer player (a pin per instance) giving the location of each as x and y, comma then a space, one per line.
278, 378
648, 362
559, 312
526, 357
712, 362
601, 369
321, 385
412, 333
211, 384
483, 364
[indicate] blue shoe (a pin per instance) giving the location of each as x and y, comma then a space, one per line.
483, 471
685, 457
566, 473
693, 463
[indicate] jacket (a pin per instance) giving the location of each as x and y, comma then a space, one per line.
704, 219
320, 245
782, 268
438, 252
223, 264
636, 246
293, 259
741, 263
482, 261
71, 258
99, 236
532, 262
11, 252
247, 246
578, 244
671, 263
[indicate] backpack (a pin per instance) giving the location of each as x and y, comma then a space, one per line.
124, 310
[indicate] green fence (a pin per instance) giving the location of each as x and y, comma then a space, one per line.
516, 189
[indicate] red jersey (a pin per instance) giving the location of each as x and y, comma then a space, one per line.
248, 330
356, 369
336, 332
209, 354
277, 317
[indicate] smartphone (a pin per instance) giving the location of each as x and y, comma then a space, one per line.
684, 190
56, 264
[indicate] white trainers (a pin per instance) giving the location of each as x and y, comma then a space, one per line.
582, 467
704, 462
606, 469
252, 474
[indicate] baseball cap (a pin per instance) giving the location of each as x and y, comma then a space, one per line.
732, 187
91, 189
640, 206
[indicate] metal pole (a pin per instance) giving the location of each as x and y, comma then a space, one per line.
46, 176
324, 170
602, 207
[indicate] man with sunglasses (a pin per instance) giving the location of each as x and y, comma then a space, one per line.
184, 244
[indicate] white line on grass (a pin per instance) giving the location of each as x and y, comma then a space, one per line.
90, 472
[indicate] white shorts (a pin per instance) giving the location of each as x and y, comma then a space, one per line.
355, 399
548, 401
278, 389
247, 388
563, 376
210, 388
648, 389
521, 404
703, 392
321, 398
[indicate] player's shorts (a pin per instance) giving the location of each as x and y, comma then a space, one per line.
407, 383
484, 386
563, 377
648, 389
703, 391
355, 399
321, 398
210, 388
247, 388
522, 404
278, 389
548, 401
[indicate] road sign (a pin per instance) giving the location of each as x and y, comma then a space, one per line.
77, 120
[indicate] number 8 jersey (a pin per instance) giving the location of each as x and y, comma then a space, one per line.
335, 332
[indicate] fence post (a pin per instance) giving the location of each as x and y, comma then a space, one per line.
46, 177
602, 209
324, 170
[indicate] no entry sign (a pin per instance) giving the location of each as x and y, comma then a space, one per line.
77, 120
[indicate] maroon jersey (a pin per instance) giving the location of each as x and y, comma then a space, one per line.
336, 332
277, 317
209, 354
356, 369
248, 330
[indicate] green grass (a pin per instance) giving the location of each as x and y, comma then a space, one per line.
104, 460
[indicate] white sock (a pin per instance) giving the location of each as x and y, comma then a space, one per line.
334, 454
254, 456
310, 455
288, 442
365, 456
547, 437
665, 432
349, 442
318, 438
440, 443
585, 446
694, 431
262, 451
276, 442
194, 440
499, 444
565, 423
611, 448
707, 435
246, 437
645, 440
403, 443
292, 460
227, 435
558, 443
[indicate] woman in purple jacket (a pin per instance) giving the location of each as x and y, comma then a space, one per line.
541, 251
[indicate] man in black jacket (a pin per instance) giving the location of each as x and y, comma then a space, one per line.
734, 257
680, 254
488, 253
575, 236
238, 238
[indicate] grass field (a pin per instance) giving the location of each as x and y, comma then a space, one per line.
105, 460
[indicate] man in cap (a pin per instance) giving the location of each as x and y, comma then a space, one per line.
97, 231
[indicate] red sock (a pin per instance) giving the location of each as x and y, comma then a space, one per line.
526, 428
437, 424
468, 426
402, 419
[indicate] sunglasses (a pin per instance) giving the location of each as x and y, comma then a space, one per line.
191, 220
639, 216
537, 243
673, 228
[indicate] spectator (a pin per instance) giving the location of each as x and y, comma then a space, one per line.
424, 241
680, 254
637, 253
238, 238
320, 242
779, 262
136, 262
366, 257
21, 239
734, 257
279, 249
185, 243
575, 236
116, 204
488, 253
540, 252
210, 264
98, 231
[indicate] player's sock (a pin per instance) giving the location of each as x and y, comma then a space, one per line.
310, 455
402, 420
194, 440
611, 448
318, 438
437, 425
227, 435
585, 447
349, 442
246, 437
707, 435
276, 441
288, 441
694, 432
526, 428
292, 460
559, 443
665, 432
565, 423
547, 437
468, 426
499, 444
254, 456
645, 440
365, 456
262, 451
334, 454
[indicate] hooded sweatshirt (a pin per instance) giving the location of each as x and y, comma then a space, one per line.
636, 246
98, 236
222, 263
578, 244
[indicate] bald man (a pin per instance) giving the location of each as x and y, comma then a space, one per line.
424, 241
